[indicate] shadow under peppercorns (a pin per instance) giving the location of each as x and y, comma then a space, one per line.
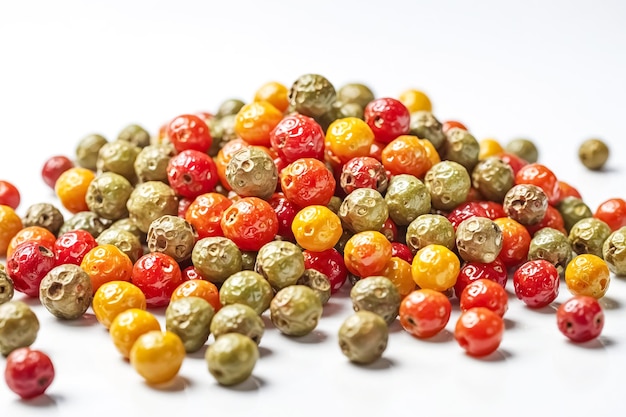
264, 352
378, 365
331, 308
29, 301
199, 354
177, 384
85, 320
499, 355
444, 336
41, 401
601, 342
548, 310
253, 383
316, 336
395, 327
609, 303
509, 324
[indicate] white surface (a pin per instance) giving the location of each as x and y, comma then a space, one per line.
550, 71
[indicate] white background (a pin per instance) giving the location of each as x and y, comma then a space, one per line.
550, 71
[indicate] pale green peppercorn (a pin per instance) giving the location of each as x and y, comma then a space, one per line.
363, 337
478, 239
355, 93
295, 310
593, 154
19, 326
493, 178
238, 318
588, 236
66, 291
551, 245
151, 163
135, 134
248, 260
573, 209
124, 240
85, 220
614, 251
350, 110
229, 107
44, 215
108, 194
334, 204
251, 172
119, 157
128, 225
312, 95
448, 183
149, 201
173, 236
430, 229
6, 286
216, 258
249, 288
363, 209
462, 147
524, 148
87, 151
231, 358
318, 282
190, 319
526, 204
407, 198
281, 263
426, 126
378, 295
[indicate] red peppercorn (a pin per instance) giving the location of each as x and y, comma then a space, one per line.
552, 219
449, 124
285, 212
330, 263
306, 182
157, 275
536, 283
9, 195
401, 251
250, 223
27, 266
541, 176
71, 247
189, 131
488, 209
191, 272
479, 331
515, 162
390, 230
485, 293
363, 172
612, 212
191, 173
205, 214
297, 136
472, 271
54, 167
388, 118
28, 372
580, 318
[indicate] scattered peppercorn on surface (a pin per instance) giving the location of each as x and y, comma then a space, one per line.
312, 238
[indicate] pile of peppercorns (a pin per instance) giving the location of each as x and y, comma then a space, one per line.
278, 203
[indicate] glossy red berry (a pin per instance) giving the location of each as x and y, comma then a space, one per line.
54, 167
330, 263
307, 182
363, 172
402, 251
27, 266
612, 212
488, 209
9, 194
250, 223
449, 124
71, 247
479, 331
297, 136
515, 162
388, 118
541, 176
28, 372
472, 271
536, 283
191, 173
190, 273
285, 212
189, 131
485, 293
580, 318
157, 275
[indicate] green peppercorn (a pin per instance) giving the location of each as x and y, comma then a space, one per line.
217, 258
238, 318
493, 178
588, 236
407, 198
136, 135
129, 226
363, 209
173, 236
551, 245
478, 239
119, 157
363, 337
524, 148
341, 243
526, 204
614, 251
226, 126
573, 209
448, 183
248, 260
87, 151
355, 93
190, 319
430, 229
151, 163
249, 288
229, 107
85, 220
19, 326
295, 310
231, 358
149, 201
462, 147
6, 286
334, 204
312, 95
426, 126
124, 240
281, 263
593, 154
44, 215
350, 110
378, 295
66, 291
318, 282
108, 194
251, 172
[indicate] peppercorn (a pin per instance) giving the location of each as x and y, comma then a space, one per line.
66, 291
378, 295
19, 326
189, 318
593, 154
44, 215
